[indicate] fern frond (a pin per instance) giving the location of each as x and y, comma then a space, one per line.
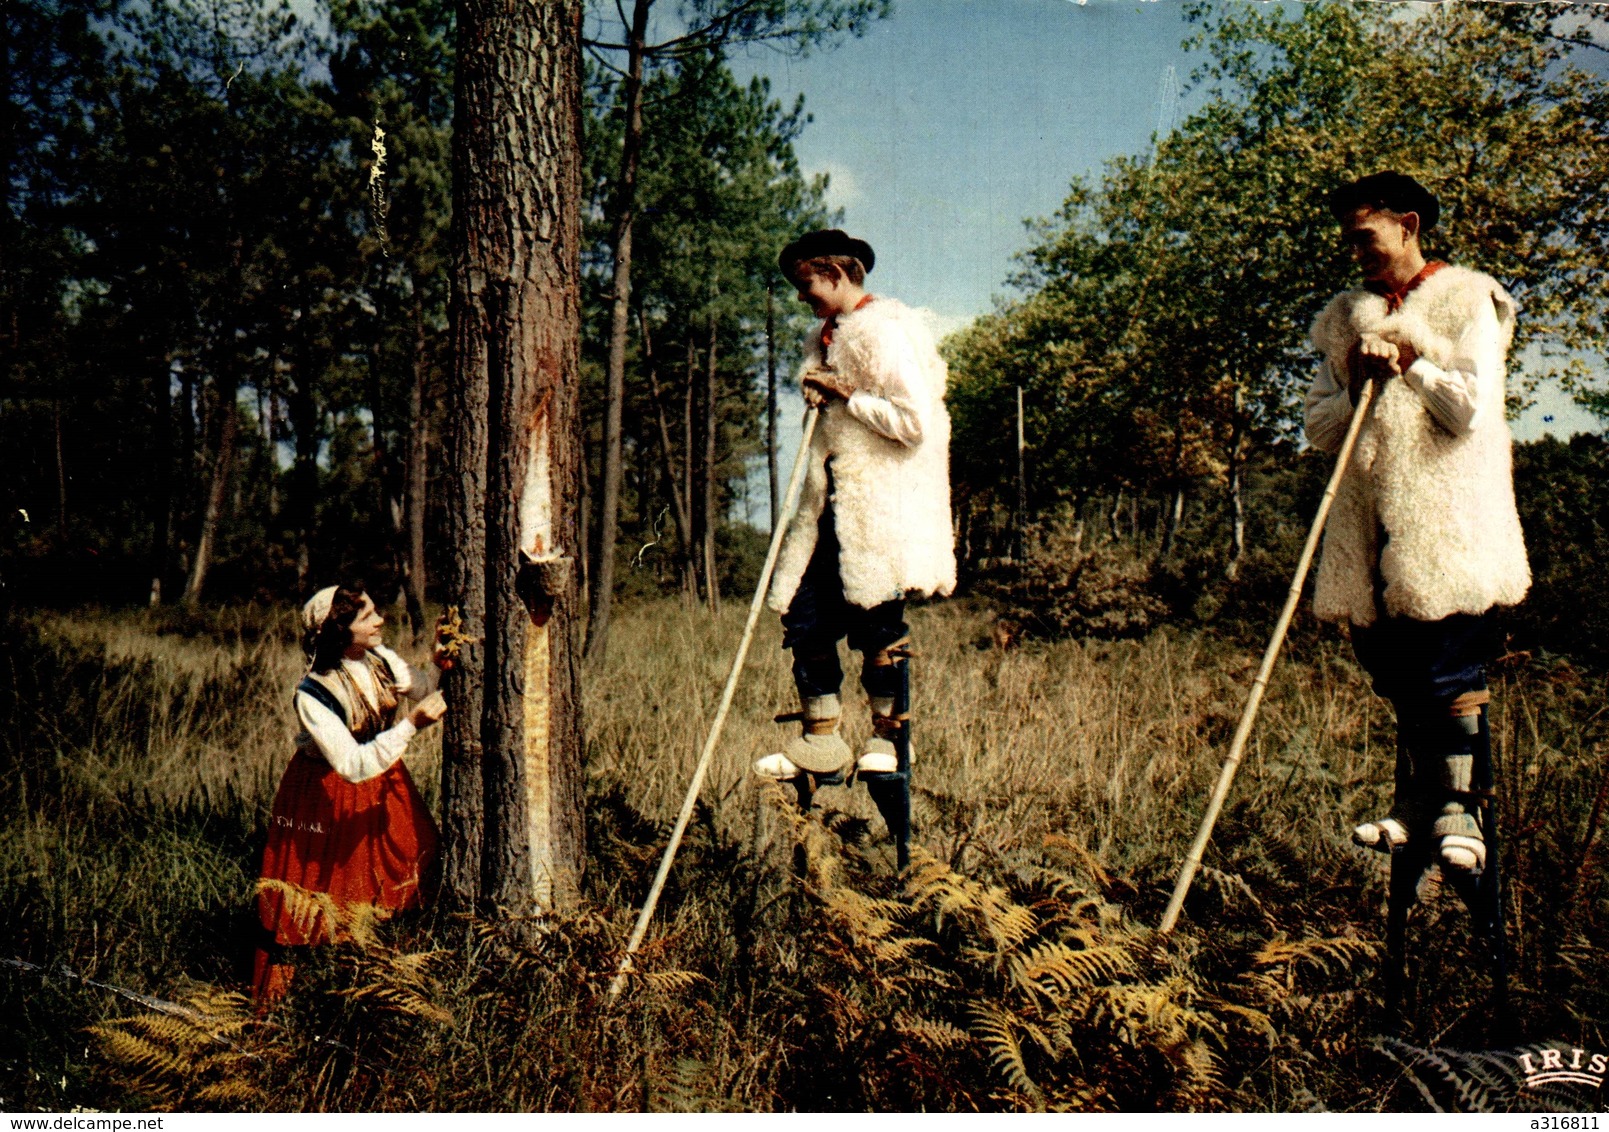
1329, 955
673, 981
132, 1052
1054, 969
232, 1092
930, 1032
1489, 1081
689, 1085
996, 1030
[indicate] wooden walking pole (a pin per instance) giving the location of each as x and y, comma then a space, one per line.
779, 526
1192, 860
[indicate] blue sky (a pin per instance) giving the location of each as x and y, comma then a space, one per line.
948, 125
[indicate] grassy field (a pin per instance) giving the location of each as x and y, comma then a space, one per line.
1013, 966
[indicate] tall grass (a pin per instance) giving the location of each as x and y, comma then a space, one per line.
1057, 787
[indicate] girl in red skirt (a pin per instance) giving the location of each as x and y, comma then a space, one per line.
347, 822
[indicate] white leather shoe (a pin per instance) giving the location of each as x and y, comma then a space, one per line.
777, 766
878, 758
1387, 835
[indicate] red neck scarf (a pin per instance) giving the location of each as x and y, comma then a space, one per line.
1394, 298
831, 325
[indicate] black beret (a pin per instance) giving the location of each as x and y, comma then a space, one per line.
825, 242
1397, 192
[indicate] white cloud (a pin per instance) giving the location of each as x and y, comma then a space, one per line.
843, 189
946, 324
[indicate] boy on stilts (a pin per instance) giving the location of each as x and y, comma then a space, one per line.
1423, 540
873, 524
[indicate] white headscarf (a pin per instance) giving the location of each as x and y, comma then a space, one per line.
317, 609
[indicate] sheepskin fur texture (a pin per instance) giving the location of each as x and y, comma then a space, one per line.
891, 503
1446, 502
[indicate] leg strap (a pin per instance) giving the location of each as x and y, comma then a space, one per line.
890, 653
1469, 703
888, 726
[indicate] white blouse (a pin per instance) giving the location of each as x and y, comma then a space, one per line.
324, 732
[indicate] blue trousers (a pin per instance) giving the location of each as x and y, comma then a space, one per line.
1421, 667
1424, 665
819, 617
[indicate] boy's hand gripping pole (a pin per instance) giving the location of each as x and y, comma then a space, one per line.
1192, 860
779, 525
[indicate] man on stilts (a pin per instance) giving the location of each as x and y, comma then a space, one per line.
873, 523
1423, 540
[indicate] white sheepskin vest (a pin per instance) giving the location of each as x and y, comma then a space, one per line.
891, 503
1445, 502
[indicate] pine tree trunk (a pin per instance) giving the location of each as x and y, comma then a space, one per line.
690, 471
61, 476
270, 431
303, 505
603, 576
162, 488
673, 475
586, 549
217, 492
1237, 508
416, 476
389, 493
712, 577
512, 773
771, 405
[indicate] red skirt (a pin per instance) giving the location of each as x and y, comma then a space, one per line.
360, 842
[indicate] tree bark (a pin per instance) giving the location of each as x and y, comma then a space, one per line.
217, 492
1170, 527
388, 478
625, 207
673, 474
1176, 469
690, 498
184, 491
511, 775
61, 476
712, 578
1237, 508
304, 420
162, 488
771, 403
416, 475
1022, 485
270, 432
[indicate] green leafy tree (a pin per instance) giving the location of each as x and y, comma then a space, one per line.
1177, 291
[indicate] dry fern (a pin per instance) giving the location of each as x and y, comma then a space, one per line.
193, 1057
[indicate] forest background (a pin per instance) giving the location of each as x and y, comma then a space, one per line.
224, 281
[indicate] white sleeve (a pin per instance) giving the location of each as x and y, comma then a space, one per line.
1329, 410
893, 417
412, 682
1454, 395
353, 761
894, 414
